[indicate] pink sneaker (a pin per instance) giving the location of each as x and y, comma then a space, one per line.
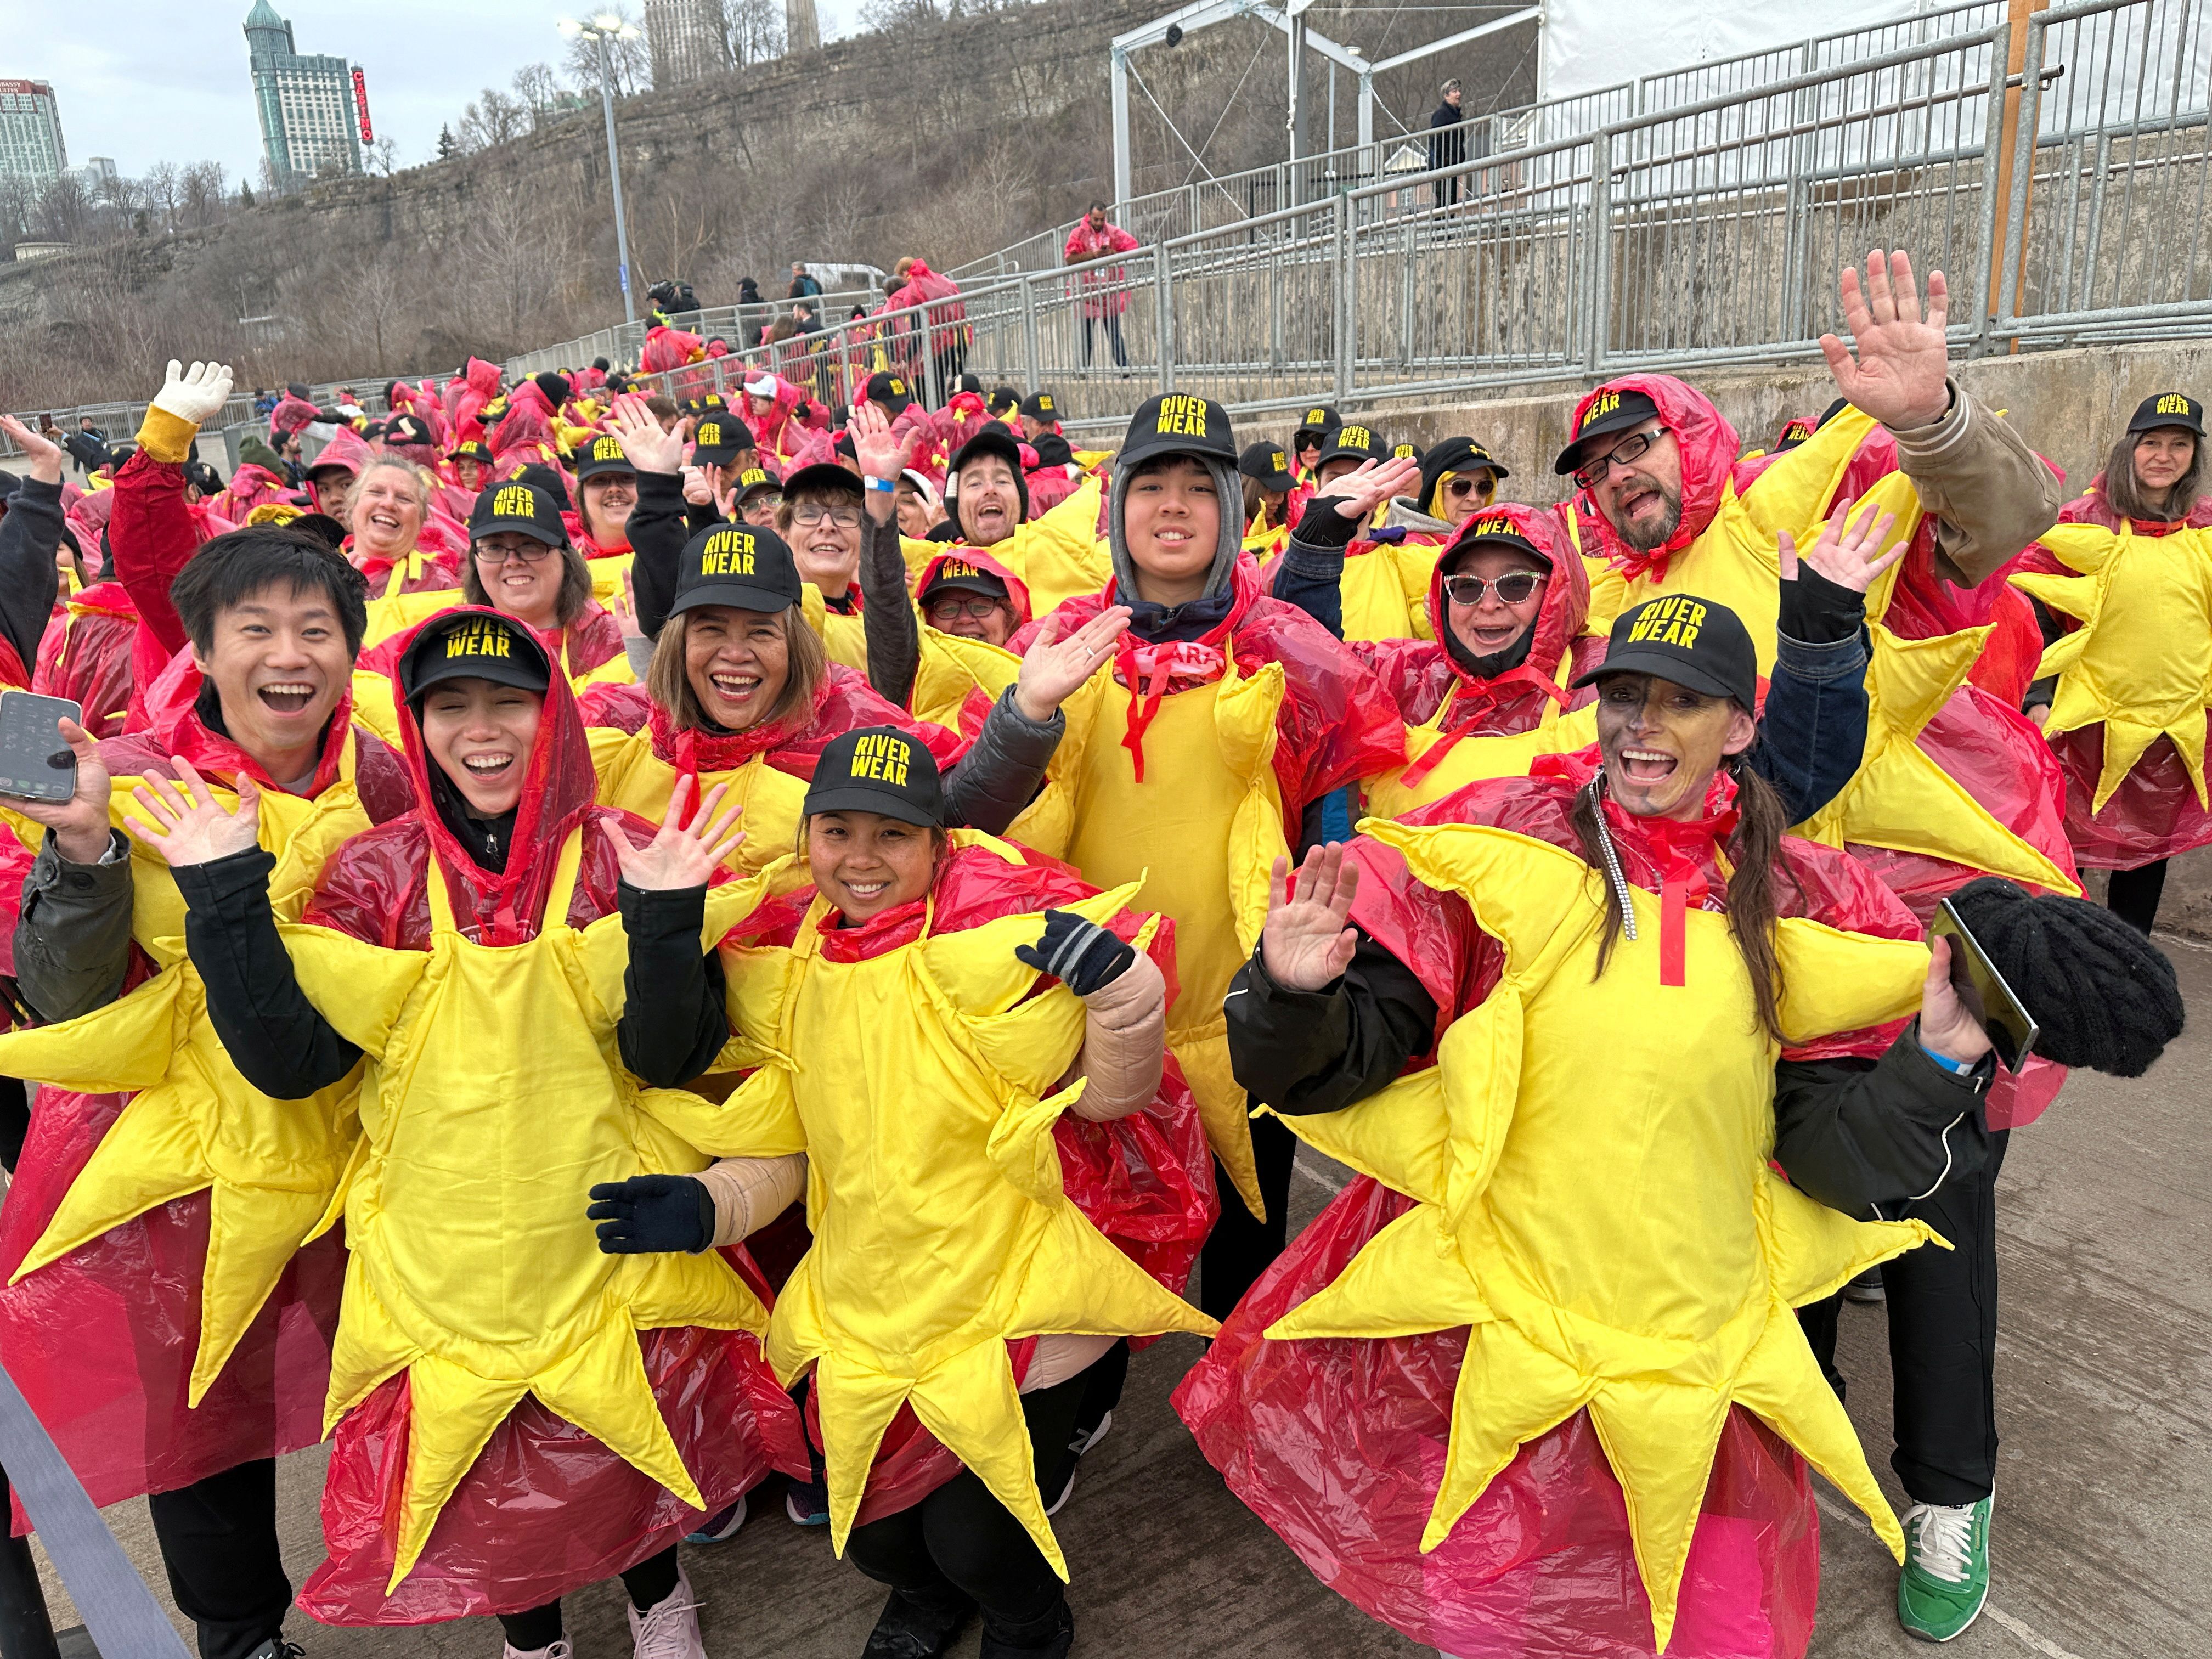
669, 1629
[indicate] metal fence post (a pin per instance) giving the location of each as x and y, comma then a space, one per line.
1346, 298
1164, 323
1029, 381
1599, 315
1406, 298
1993, 171
2028, 116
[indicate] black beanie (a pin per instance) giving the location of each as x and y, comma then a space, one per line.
2104, 995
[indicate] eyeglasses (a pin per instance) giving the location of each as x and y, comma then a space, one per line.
530, 555
1628, 449
979, 608
1514, 587
765, 500
1459, 489
813, 513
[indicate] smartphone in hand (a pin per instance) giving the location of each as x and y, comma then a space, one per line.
2012, 1029
35, 764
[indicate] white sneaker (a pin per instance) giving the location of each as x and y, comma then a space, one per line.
669, 1629
558, 1650
1083, 1442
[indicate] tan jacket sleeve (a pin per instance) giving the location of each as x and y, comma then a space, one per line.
1124, 1043
1976, 476
748, 1193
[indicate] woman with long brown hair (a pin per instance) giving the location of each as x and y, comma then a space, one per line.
1622, 990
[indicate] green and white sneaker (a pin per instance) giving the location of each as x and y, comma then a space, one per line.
1947, 1569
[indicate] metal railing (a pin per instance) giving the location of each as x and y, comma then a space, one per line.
621, 344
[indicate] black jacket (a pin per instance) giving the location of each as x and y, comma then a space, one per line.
29, 534
1447, 142
1857, 1135
672, 1023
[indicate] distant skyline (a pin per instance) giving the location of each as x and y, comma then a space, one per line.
148, 81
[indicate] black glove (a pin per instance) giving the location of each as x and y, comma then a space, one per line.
1321, 525
653, 1214
1081, 955
1817, 612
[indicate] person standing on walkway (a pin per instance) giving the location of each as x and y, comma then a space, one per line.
1447, 142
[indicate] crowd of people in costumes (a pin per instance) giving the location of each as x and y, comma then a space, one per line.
613, 950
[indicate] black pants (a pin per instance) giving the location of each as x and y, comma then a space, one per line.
1942, 1308
1447, 190
218, 1539
649, 1583
1112, 324
2134, 894
15, 1120
1239, 1249
960, 1541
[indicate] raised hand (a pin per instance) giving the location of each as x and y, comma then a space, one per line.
1946, 1027
684, 856
882, 454
1078, 952
1848, 554
1904, 361
43, 453
195, 394
1053, 666
644, 444
190, 825
1307, 943
1368, 485
79, 824
624, 608
697, 489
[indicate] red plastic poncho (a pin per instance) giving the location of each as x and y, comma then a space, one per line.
767, 417
467, 394
345, 450
1105, 291
668, 348
1145, 1180
251, 486
1339, 1445
86, 656
289, 416
545, 1508
524, 437
2153, 813
102, 1341
1018, 593
948, 321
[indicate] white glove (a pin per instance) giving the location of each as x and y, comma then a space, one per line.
195, 394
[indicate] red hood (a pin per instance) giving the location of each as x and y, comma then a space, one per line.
523, 437
1566, 601
290, 415
345, 449
557, 793
1709, 447
165, 711
667, 348
1017, 590
531, 395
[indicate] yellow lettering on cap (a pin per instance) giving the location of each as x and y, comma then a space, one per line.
882, 757
1182, 416
955, 568
478, 640
728, 553
1316, 417
1356, 437
1604, 404
1279, 461
1401, 451
2174, 403
898, 386
1496, 524
514, 502
710, 433
1044, 401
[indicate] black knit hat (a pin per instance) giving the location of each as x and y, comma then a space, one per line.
2104, 995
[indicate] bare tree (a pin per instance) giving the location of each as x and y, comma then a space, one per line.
65, 208
539, 90
505, 251
493, 118
756, 29
201, 194
164, 187
383, 156
373, 303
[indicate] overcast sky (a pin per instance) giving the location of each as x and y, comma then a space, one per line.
147, 81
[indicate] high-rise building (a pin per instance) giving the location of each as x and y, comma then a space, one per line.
305, 102
688, 39
802, 29
31, 147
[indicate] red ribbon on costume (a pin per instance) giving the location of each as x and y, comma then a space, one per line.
1470, 702
1632, 562
1151, 672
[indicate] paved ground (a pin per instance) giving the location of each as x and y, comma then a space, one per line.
2103, 1537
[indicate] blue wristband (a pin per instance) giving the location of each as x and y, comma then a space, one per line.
881, 486
1955, 1067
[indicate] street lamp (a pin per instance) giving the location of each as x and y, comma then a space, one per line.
600, 30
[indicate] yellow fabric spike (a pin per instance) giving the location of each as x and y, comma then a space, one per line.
607, 573
950, 668
1644, 1272
1472, 759
494, 1100
2141, 662
632, 777
926, 1071
1386, 592
1057, 556
843, 636
1202, 831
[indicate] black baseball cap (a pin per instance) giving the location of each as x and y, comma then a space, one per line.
1699, 643
1454, 455
1052, 449
1002, 399
753, 480
877, 769
470, 449
890, 391
1267, 462
970, 382
515, 505
1406, 452
719, 438
321, 525
2169, 408
546, 478
1608, 411
949, 572
825, 475
1317, 423
1178, 423
1040, 406
743, 566
473, 644
409, 430
1489, 530
603, 453
1353, 443
991, 438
